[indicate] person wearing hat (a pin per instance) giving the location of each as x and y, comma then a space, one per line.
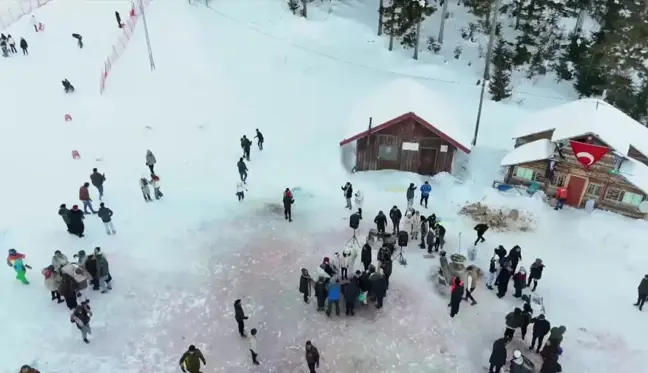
312, 357
191, 359
518, 363
28, 369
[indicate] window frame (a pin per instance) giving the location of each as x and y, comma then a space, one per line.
394, 150
597, 193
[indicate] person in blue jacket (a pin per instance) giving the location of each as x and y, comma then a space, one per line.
425, 193
334, 298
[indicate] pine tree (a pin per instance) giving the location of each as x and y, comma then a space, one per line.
500, 83
402, 16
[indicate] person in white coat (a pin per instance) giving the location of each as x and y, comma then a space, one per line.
359, 201
240, 191
12, 44
342, 262
471, 283
59, 260
34, 22
416, 225
493, 270
353, 256
146, 190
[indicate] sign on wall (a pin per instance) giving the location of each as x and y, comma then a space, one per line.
444, 149
412, 146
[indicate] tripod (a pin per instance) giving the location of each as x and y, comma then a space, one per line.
353, 240
401, 259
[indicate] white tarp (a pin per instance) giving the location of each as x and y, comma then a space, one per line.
530, 152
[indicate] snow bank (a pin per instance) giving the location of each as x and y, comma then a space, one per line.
401, 96
533, 151
589, 116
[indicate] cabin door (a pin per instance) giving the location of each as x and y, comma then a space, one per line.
428, 161
575, 190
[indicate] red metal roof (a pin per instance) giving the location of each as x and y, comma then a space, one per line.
401, 119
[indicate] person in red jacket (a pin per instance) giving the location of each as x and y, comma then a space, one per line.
288, 200
519, 282
84, 196
456, 295
561, 198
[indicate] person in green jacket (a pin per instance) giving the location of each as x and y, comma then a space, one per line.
190, 360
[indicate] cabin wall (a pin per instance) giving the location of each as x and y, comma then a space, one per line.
608, 190
434, 154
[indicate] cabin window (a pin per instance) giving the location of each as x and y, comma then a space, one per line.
633, 199
614, 195
526, 174
560, 180
388, 153
593, 190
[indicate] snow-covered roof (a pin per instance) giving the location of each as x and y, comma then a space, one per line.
587, 116
636, 173
401, 96
530, 152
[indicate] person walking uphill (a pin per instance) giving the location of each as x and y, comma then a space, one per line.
64, 213
288, 200
84, 196
481, 228
97, 180
150, 161
240, 317
259, 137
245, 145
312, 357
425, 194
642, 291
242, 169
411, 190
191, 359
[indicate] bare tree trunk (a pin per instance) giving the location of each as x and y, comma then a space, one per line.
418, 36
304, 11
518, 15
391, 33
578, 29
444, 12
381, 11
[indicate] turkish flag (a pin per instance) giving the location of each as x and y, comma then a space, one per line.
588, 154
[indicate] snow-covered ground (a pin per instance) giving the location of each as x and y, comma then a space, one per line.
178, 264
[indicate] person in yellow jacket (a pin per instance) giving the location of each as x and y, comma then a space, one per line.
190, 360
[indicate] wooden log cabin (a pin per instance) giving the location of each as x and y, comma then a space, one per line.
406, 143
404, 126
618, 182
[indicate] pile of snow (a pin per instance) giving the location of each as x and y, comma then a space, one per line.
500, 219
530, 152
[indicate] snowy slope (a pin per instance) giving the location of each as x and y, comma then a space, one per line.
179, 263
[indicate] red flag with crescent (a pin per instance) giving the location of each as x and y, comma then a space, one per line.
588, 154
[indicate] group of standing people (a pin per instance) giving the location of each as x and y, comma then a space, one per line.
8, 45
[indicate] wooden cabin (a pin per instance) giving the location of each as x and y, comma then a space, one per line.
618, 182
406, 143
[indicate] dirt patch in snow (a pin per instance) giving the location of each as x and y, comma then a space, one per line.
500, 218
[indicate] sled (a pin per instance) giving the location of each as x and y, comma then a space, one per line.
537, 301
503, 187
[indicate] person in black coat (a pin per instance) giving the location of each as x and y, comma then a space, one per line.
481, 228
498, 356
535, 273
387, 271
503, 279
239, 316
321, 293
245, 144
381, 222
395, 215
541, 328
76, 221
527, 315
305, 284
440, 237
24, 46
259, 137
500, 252
456, 295
90, 264
288, 200
515, 256
365, 256
348, 194
242, 169
378, 287
551, 364
351, 294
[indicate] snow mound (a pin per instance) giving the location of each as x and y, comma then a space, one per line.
500, 219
